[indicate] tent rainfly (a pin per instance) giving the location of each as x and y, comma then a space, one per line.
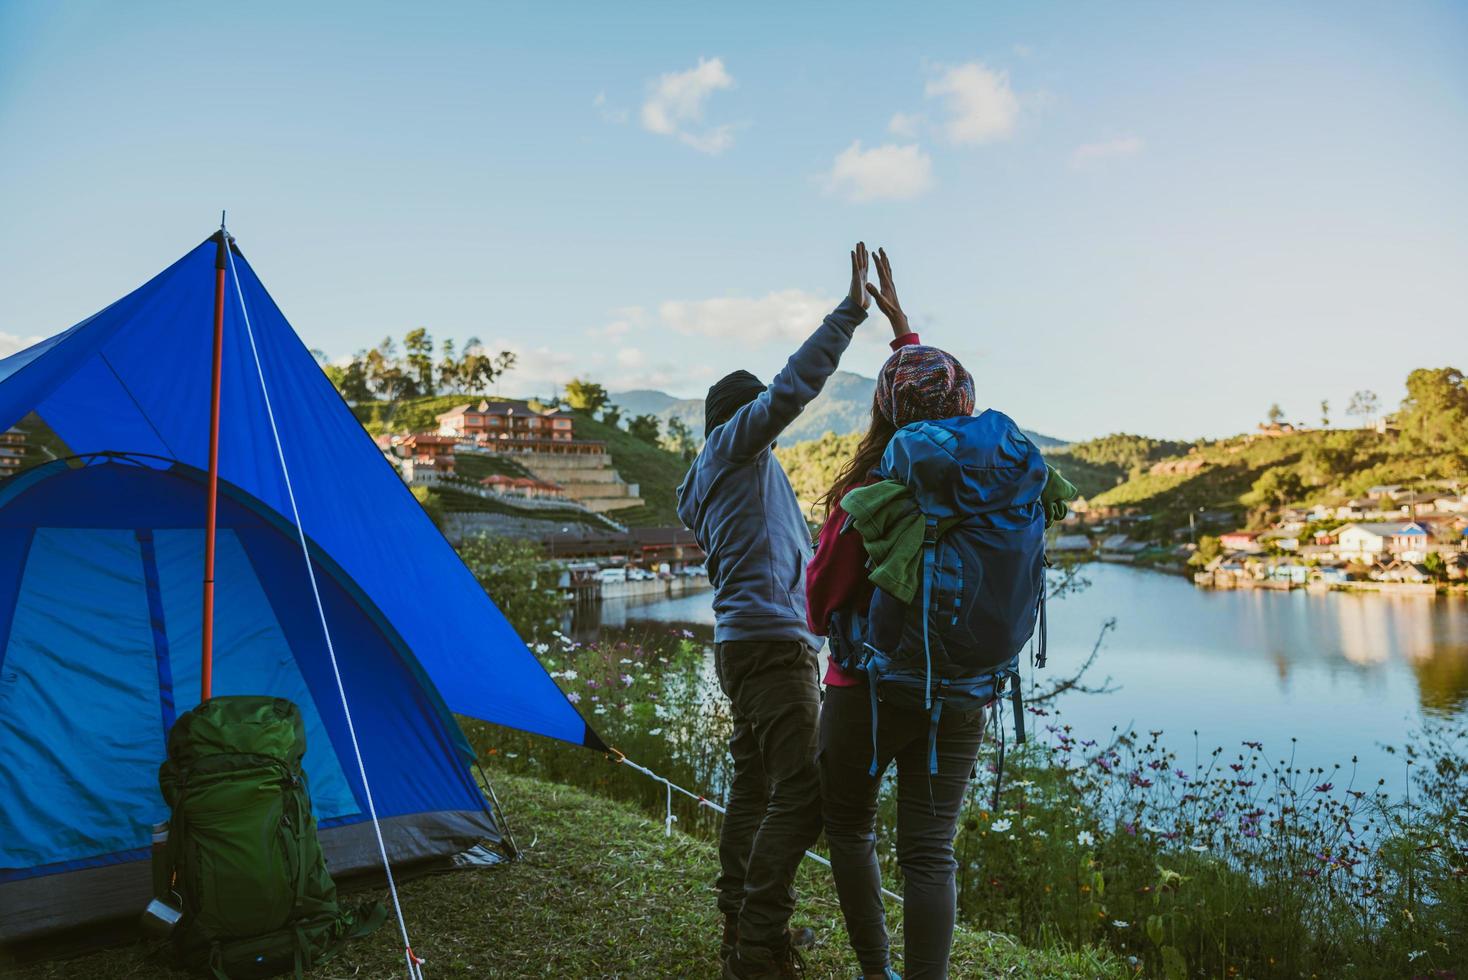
101, 556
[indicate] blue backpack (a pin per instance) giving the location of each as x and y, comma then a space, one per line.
977, 481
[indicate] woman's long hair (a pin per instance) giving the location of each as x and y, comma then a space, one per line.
868, 454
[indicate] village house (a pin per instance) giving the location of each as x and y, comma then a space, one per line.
1403, 571
427, 451
524, 486
514, 426
1069, 543
1285, 538
1358, 509
1406, 540
12, 452
1385, 491
1451, 505
1411, 504
1247, 541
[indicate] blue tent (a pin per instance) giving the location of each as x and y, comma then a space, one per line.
100, 601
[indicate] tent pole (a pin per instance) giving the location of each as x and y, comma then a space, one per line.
206, 670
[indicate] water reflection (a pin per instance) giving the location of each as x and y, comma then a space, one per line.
1340, 672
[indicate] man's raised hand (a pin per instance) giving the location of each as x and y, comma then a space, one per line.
859, 284
886, 296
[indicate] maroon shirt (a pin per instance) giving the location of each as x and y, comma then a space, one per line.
836, 577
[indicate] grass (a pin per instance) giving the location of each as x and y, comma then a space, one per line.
459, 502
477, 466
600, 892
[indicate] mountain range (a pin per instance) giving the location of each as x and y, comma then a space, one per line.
842, 407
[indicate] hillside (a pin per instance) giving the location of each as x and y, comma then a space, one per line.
656, 471
843, 406
1248, 474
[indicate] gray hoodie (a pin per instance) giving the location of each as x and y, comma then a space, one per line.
739, 504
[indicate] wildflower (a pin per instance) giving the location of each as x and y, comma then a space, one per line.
1325, 787
688, 634
1120, 924
591, 683
569, 674
1200, 848
1130, 828
1180, 774
625, 660
1085, 838
542, 648
512, 755
573, 697
655, 731
1000, 826
626, 680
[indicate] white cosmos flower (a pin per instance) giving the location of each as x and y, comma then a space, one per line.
1085, 839
1000, 826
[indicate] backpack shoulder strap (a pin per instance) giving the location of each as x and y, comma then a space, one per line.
930, 550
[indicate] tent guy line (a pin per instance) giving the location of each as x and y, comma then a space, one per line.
618, 757
415, 971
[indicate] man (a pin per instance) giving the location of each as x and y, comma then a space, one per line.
740, 506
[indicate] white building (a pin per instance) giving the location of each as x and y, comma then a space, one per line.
1406, 540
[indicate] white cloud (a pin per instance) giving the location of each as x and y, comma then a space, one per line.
609, 113
788, 315
887, 172
627, 319
675, 106
1121, 146
10, 343
904, 124
981, 105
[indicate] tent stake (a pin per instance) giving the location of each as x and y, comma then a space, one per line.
206, 669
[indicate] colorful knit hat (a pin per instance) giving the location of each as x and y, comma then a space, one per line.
920, 383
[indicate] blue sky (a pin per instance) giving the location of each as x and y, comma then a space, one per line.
1146, 217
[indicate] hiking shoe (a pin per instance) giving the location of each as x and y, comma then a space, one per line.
891, 974
751, 962
802, 938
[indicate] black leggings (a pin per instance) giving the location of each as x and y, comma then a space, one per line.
927, 817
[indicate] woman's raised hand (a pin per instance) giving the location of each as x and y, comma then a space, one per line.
886, 296
859, 284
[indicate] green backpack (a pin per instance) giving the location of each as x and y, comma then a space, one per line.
242, 854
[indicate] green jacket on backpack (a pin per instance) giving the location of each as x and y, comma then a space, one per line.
242, 853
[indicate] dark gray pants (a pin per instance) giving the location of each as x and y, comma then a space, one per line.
774, 805
927, 817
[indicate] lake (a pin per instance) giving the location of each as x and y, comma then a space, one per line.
1343, 673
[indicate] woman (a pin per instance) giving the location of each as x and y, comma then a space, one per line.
916, 383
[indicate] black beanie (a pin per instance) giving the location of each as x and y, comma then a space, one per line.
726, 396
